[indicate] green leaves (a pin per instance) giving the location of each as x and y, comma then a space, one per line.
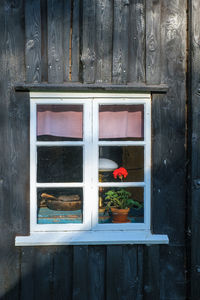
120, 199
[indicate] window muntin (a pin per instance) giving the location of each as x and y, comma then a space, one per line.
91, 144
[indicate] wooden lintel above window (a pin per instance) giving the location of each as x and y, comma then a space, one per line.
159, 88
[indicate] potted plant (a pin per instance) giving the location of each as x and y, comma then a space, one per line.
119, 200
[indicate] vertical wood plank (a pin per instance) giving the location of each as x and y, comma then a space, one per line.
88, 41
44, 41
124, 273
66, 38
152, 272
104, 27
27, 278
96, 272
55, 41
62, 273
194, 139
33, 41
120, 41
114, 272
43, 270
75, 57
153, 13
80, 273
169, 126
172, 261
12, 66
136, 35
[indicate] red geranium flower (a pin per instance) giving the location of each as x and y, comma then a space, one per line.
120, 172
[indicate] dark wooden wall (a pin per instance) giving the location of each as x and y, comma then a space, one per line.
111, 42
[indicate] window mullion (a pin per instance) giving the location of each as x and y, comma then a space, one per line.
87, 163
95, 162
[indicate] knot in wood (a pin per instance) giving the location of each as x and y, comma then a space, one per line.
152, 44
29, 45
88, 58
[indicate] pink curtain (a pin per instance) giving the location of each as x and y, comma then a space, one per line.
119, 124
65, 124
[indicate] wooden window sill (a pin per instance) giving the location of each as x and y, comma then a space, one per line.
91, 238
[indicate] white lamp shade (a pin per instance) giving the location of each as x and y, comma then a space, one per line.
106, 164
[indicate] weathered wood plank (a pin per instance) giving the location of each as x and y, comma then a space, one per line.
62, 273
80, 273
161, 88
124, 274
136, 34
152, 272
96, 272
12, 66
194, 138
172, 266
114, 272
153, 62
75, 51
27, 276
44, 41
55, 41
120, 41
168, 118
43, 270
88, 41
66, 39
104, 27
33, 40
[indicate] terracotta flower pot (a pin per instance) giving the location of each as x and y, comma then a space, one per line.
120, 215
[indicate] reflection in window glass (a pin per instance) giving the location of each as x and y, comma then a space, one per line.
59, 205
59, 122
121, 122
60, 164
121, 205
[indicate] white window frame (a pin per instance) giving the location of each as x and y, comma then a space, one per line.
90, 232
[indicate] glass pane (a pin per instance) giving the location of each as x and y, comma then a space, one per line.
59, 205
131, 158
59, 122
121, 122
121, 205
60, 164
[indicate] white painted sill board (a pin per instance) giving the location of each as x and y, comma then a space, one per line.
90, 238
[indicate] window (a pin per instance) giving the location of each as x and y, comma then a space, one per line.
78, 143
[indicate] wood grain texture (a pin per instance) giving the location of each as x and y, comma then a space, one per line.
62, 273
124, 273
75, 68
153, 64
88, 41
169, 126
44, 41
194, 138
136, 35
33, 40
104, 27
66, 38
55, 41
12, 66
120, 41
96, 272
161, 88
171, 267
152, 272
80, 273
43, 273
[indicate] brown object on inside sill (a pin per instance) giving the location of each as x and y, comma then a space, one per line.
65, 202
